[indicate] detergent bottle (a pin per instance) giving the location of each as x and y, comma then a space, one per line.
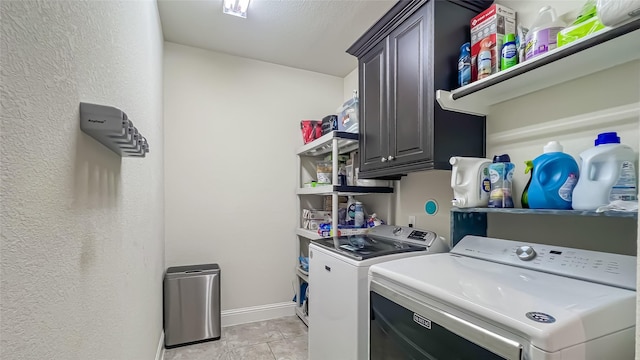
501, 176
543, 35
524, 200
608, 174
470, 181
554, 177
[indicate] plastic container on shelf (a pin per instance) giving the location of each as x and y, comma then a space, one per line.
324, 171
470, 181
486, 59
608, 173
348, 115
464, 65
555, 174
509, 52
501, 175
543, 35
578, 31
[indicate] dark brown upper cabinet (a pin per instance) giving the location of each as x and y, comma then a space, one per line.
403, 59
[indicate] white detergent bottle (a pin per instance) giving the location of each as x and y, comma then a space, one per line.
608, 173
470, 181
543, 35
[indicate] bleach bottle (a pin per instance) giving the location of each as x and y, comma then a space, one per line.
555, 175
470, 181
608, 174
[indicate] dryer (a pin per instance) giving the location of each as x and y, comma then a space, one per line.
338, 290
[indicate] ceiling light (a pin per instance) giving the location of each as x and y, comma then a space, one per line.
236, 8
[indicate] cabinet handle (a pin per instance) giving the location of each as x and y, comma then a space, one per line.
384, 159
327, 268
391, 158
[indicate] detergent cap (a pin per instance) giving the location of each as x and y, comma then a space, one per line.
504, 158
552, 146
607, 138
529, 166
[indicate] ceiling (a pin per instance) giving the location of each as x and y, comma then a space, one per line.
305, 34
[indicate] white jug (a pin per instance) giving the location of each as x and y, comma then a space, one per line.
470, 181
607, 173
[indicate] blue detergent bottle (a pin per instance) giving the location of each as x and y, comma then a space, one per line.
555, 174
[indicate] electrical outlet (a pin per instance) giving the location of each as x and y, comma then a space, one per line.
412, 221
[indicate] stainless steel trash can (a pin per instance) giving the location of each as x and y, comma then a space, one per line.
191, 304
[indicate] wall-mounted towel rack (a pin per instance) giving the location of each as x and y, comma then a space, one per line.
113, 129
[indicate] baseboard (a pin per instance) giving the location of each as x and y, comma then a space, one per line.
257, 313
160, 350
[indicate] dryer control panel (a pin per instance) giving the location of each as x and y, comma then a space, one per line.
604, 268
403, 233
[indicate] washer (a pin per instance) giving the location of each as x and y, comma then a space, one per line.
501, 299
338, 290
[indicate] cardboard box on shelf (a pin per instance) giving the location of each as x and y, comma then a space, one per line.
487, 31
342, 202
312, 214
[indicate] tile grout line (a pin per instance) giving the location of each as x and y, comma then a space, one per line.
271, 351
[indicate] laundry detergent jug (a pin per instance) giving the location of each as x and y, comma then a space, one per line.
470, 181
608, 173
555, 175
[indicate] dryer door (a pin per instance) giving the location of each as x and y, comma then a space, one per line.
402, 328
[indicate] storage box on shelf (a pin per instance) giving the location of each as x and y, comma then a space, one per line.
585, 56
473, 221
335, 143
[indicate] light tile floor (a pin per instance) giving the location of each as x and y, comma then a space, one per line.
278, 339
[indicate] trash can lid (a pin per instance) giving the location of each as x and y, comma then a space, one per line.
194, 269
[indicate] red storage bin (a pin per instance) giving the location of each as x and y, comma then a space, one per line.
311, 130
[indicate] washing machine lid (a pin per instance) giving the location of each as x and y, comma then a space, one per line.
362, 247
553, 312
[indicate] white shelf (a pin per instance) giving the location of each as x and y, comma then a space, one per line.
302, 316
302, 274
347, 142
588, 55
554, 212
344, 190
309, 234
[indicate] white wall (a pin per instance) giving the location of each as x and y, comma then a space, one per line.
350, 83
82, 235
232, 129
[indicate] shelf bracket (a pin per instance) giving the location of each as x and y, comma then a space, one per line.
446, 101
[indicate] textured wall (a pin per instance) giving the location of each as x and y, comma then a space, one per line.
232, 129
82, 250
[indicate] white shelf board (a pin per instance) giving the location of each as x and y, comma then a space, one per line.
347, 142
309, 234
588, 55
302, 275
302, 316
344, 190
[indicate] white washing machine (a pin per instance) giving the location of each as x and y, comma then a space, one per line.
339, 292
500, 299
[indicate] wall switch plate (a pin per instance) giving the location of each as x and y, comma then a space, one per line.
412, 221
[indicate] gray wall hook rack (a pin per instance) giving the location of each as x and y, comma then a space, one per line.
111, 127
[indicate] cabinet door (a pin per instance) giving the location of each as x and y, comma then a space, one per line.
374, 138
410, 110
